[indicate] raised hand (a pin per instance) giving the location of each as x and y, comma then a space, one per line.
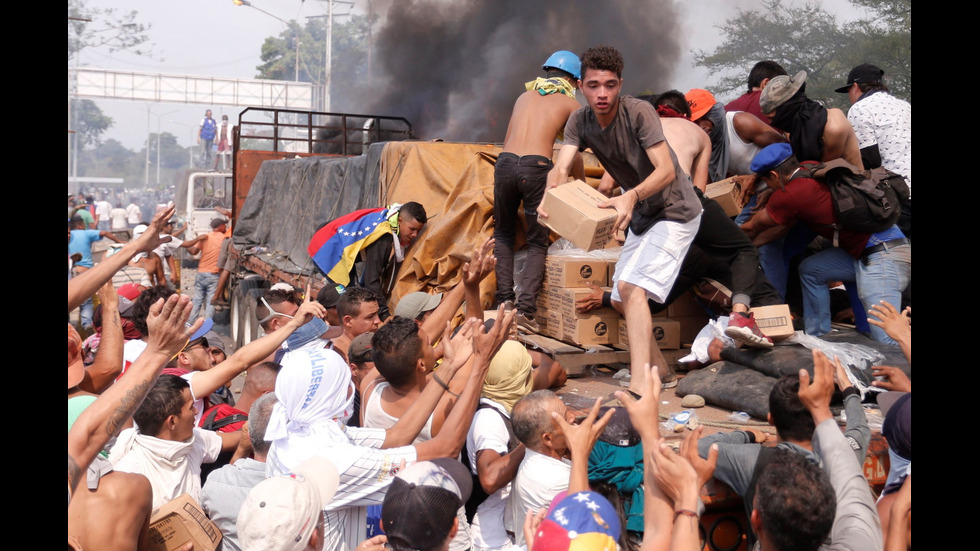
166, 324
816, 394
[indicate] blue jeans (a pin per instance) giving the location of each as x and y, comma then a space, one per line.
774, 257
205, 285
883, 277
85, 314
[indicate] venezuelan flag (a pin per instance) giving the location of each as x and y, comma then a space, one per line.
334, 247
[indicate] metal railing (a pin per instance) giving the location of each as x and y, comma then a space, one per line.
292, 131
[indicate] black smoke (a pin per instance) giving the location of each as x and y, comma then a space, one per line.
454, 68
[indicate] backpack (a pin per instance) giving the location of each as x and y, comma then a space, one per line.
864, 202
208, 129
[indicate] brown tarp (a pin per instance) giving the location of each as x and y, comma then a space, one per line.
454, 182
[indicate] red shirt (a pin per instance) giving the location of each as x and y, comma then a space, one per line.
809, 201
748, 102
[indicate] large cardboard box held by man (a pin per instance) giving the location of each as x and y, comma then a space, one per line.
180, 521
573, 214
726, 193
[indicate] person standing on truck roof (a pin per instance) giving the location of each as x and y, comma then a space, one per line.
205, 137
521, 174
659, 206
224, 144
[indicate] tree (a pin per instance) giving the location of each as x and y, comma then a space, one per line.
349, 53
172, 155
807, 37
105, 28
91, 123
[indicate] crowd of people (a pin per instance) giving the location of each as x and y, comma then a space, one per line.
361, 429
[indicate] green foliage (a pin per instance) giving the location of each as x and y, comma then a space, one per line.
106, 28
807, 37
350, 52
90, 123
172, 155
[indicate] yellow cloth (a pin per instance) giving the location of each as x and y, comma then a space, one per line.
546, 86
556, 85
509, 378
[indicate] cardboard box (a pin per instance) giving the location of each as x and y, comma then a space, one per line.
553, 326
775, 322
568, 297
573, 214
180, 521
570, 271
666, 333
726, 193
591, 330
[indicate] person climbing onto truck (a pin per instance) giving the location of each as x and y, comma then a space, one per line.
360, 237
521, 173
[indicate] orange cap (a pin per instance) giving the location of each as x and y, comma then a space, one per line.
701, 101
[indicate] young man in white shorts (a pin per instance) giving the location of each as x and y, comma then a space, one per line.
658, 205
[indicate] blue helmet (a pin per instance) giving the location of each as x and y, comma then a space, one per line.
564, 60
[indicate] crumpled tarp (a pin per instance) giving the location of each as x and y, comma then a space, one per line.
290, 199
454, 182
743, 381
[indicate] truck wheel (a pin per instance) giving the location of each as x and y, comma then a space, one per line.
237, 314
250, 327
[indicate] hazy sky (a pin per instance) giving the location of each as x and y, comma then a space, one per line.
218, 38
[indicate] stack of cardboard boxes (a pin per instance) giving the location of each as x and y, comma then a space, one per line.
566, 280
574, 214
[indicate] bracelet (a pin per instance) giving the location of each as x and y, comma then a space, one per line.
443, 384
686, 513
637, 195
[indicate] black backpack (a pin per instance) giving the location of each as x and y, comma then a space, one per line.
864, 202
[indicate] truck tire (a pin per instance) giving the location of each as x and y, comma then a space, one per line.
250, 329
237, 306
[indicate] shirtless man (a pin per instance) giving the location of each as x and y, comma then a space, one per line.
521, 173
816, 133
719, 251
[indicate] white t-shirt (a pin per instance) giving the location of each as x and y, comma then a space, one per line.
173, 468
168, 249
133, 213
118, 216
491, 522
539, 479
102, 210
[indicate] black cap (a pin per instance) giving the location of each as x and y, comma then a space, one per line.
862, 74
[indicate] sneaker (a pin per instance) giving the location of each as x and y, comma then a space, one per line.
527, 323
742, 328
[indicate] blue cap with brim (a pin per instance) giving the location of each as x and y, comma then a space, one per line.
307, 333
770, 157
205, 327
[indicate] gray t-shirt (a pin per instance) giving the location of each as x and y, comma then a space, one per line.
621, 148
